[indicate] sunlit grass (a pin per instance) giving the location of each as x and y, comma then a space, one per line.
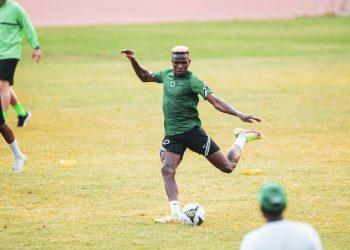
89, 107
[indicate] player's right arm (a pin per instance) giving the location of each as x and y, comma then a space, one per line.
30, 33
143, 74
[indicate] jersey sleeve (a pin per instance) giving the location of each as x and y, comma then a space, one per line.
158, 76
199, 87
27, 27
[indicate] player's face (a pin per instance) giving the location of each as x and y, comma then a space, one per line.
180, 66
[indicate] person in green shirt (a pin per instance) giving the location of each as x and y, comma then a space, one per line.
182, 124
14, 21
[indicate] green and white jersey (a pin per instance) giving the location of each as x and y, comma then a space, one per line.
180, 100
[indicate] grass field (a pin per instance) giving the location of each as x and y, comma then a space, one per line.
89, 107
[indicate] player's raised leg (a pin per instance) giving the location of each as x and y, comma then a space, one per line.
23, 115
228, 164
170, 162
6, 132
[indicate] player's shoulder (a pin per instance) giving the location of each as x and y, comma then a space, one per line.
267, 228
299, 228
254, 233
164, 72
15, 5
304, 227
167, 71
250, 238
194, 78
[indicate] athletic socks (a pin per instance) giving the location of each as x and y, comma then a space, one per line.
175, 208
17, 154
4, 114
19, 109
240, 141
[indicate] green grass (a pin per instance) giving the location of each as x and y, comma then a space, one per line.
88, 106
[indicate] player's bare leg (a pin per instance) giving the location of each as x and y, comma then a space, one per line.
229, 163
7, 133
220, 161
14, 99
19, 158
170, 163
5, 96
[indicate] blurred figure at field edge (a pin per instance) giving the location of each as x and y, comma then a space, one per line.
14, 21
279, 233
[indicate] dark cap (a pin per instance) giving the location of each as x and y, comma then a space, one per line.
272, 197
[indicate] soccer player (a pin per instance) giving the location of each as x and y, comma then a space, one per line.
182, 125
14, 21
278, 233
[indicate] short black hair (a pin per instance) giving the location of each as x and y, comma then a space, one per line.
276, 212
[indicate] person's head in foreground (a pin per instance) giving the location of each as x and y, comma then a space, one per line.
180, 57
278, 233
273, 200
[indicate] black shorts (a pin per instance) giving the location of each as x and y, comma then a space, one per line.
196, 140
7, 69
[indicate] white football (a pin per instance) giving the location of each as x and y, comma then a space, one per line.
193, 214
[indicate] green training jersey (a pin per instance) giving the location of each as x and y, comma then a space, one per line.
14, 20
180, 100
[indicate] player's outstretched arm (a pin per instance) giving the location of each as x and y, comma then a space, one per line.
143, 74
226, 108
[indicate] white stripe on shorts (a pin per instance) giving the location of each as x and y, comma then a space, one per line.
207, 147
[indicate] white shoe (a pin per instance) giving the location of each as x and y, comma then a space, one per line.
18, 165
169, 219
250, 135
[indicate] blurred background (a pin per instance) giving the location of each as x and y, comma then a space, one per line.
80, 12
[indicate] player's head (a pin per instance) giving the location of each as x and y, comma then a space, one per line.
2, 2
180, 57
273, 200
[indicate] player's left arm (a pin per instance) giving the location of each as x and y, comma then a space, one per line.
30, 33
226, 108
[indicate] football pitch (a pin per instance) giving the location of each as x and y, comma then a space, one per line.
89, 107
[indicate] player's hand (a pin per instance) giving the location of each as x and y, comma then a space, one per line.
36, 55
128, 53
248, 118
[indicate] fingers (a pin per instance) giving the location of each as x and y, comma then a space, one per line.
257, 119
126, 51
36, 58
251, 118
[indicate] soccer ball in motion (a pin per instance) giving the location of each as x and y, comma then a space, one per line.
193, 214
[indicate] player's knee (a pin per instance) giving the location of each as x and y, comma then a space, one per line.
2, 120
168, 171
2, 125
3, 86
